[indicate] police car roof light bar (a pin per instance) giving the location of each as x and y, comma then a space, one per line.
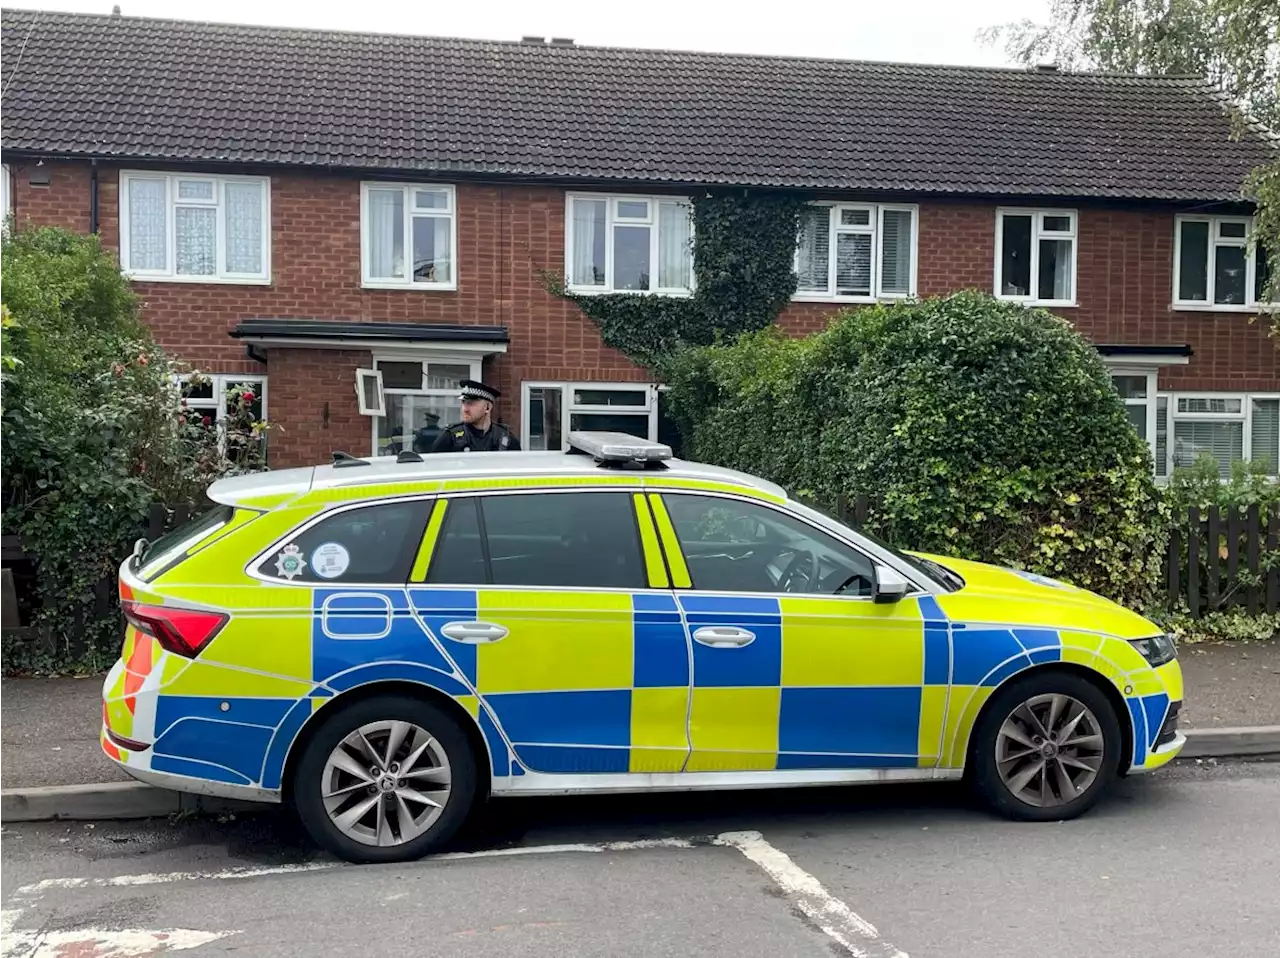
618, 448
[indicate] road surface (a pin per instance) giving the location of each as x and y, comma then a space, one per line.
1184, 864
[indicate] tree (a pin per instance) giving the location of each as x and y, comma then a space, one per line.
1235, 44
976, 428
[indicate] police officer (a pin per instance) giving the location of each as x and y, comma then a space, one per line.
477, 432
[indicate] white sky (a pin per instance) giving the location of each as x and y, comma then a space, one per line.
921, 31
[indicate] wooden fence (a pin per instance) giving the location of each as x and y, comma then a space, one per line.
1221, 559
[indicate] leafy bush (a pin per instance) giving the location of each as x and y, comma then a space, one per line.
1235, 625
94, 433
1201, 484
976, 428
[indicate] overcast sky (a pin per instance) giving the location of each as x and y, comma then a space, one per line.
921, 31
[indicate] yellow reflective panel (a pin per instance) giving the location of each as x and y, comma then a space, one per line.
659, 717
655, 760
1171, 675
831, 641
708, 485
557, 641
675, 555
962, 711
1043, 608
274, 645
212, 679
469, 702
423, 560
252, 596
654, 566
933, 712
735, 720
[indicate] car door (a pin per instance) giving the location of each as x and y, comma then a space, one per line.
572, 640
795, 666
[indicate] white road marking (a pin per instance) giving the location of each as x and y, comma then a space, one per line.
857, 935
99, 943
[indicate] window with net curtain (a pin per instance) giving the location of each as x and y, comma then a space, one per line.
408, 235
192, 226
855, 252
630, 243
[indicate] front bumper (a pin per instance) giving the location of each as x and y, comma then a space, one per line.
1161, 755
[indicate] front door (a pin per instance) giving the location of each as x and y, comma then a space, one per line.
577, 654
794, 664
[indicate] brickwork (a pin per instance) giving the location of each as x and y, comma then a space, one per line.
508, 232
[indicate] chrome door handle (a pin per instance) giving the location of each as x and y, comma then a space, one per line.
721, 637
473, 632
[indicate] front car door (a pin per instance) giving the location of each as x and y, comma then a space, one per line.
568, 632
795, 666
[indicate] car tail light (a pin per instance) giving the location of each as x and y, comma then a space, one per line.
183, 632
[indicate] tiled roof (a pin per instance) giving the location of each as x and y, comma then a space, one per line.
137, 88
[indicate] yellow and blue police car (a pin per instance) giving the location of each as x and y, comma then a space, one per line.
384, 643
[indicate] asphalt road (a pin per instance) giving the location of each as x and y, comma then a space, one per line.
1185, 864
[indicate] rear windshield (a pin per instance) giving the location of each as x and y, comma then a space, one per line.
162, 553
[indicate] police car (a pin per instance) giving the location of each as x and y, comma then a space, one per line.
385, 643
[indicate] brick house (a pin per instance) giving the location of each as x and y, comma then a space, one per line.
297, 206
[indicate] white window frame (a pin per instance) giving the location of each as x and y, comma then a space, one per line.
1245, 416
406, 193
472, 361
1151, 376
610, 220
380, 406
221, 383
169, 274
6, 194
875, 229
568, 407
1250, 304
1038, 215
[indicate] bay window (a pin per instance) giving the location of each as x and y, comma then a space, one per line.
856, 252
408, 235
617, 244
553, 410
181, 227
1036, 256
1214, 266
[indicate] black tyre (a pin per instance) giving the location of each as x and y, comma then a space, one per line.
386, 779
1046, 748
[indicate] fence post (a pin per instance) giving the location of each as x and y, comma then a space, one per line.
1273, 551
1173, 569
1233, 554
156, 516
860, 509
1214, 556
1253, 533
1193, 561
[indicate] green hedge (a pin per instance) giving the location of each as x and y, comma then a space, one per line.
976, 428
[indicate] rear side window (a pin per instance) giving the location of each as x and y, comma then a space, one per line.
583, 540
369, 544
168, 549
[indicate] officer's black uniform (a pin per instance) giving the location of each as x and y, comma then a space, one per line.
463, 437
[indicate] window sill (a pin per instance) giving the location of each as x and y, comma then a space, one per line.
851, 300
1258, 308
411, 287
196, 280
1043, 303
598, 291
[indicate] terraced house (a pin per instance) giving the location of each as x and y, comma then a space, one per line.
356, 221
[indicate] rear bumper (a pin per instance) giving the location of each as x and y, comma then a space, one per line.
137, 765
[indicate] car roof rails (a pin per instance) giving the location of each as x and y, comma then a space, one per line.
344, 460
618, 450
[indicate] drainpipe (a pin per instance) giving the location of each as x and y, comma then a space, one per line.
93, 196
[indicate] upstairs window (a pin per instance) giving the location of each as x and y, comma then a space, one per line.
1214, 265
856, 252
618, 244
1036, 256
409, 233
194, 228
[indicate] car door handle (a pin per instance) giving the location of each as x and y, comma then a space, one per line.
721, 637
473, 632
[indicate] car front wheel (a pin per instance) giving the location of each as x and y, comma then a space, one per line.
387, 779
1046, 748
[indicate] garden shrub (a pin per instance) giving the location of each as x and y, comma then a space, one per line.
976, 428
94, 433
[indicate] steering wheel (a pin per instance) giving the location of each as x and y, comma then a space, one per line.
804, 563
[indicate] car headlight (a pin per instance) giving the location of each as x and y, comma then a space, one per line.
1157, 649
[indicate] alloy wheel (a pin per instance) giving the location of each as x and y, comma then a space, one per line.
1049, 750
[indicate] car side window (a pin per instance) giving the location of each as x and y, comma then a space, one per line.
368, 544
734, 546
566, 540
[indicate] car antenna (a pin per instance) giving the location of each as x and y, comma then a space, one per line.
408, 455
343, 460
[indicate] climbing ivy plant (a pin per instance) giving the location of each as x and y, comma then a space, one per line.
744, 244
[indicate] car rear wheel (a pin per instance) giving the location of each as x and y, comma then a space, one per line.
1046, 748
387, 779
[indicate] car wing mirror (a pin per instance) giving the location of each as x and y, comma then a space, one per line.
890, 584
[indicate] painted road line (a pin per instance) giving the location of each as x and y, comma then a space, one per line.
854, 933
97, 942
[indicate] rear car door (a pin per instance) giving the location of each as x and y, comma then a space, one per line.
795, 666
561, 618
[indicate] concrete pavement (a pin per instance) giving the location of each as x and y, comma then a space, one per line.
1180, 865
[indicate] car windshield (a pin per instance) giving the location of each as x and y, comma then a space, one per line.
931, 570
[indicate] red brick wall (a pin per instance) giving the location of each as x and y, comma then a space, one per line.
507, 232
